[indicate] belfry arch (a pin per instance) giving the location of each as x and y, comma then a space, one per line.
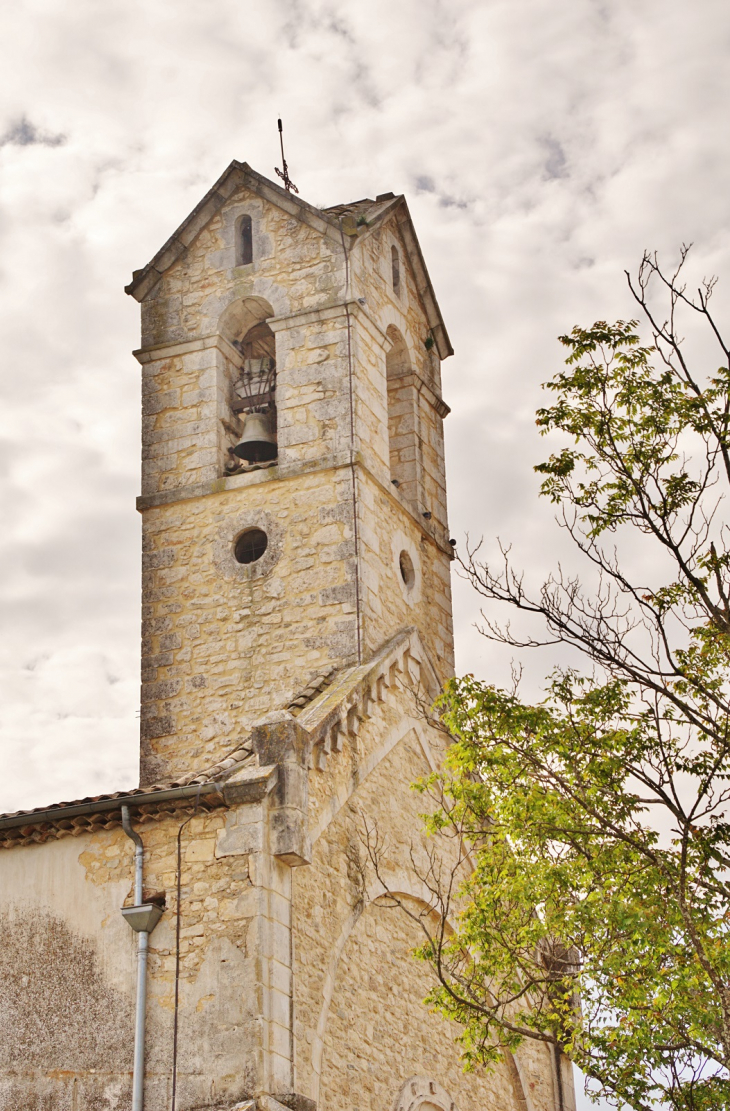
403, 422
251, 431
242, 315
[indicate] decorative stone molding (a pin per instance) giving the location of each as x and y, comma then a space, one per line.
224, 558
357, 693
421, 1091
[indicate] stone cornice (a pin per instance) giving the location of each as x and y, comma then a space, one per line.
157, 351
333, 462
401, 664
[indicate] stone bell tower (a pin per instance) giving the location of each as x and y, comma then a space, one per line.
293, 490
296, 596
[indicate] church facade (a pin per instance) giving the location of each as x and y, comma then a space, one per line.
296, 619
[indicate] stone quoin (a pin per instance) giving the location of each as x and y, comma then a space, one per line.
296, 618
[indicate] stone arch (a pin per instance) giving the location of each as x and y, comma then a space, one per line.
328, 984
397, 359
242, 315
251, 375
395, 269
403, 416
423, 1093
433, 1094
244, 240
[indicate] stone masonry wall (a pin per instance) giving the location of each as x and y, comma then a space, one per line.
295, 267
222, 643
361, 1027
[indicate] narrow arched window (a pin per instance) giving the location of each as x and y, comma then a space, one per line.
403, 417
245, 241
395, 267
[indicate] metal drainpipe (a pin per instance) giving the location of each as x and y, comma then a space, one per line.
142, 918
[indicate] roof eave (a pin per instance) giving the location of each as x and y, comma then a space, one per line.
423, 280
101, 806
398, 207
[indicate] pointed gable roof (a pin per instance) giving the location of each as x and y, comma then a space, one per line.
333, 222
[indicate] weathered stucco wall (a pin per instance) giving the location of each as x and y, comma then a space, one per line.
66, 981
68, 960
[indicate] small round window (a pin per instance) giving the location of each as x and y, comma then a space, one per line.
251, 545
407, 572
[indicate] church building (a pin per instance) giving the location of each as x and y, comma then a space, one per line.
215, 938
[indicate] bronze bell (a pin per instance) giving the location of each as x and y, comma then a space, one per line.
258, 441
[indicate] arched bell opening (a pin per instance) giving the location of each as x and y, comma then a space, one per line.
253, 385
255, 396
402, 416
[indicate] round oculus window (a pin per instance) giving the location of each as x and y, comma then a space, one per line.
250, 545
407, 571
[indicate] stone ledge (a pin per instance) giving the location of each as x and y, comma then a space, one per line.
250, 784
282, 473
157, 351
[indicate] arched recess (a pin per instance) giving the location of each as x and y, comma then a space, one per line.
244, 240
403, 885
242, 315
403, 422
251, 386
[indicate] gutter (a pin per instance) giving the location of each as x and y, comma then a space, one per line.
102, 806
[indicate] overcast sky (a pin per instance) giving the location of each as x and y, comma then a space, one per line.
541, 146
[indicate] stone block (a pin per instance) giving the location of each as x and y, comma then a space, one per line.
280, 1005
296, 1102
201, 849
239, 838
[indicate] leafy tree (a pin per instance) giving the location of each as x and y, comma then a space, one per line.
589, 902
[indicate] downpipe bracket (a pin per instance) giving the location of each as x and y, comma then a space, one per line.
144, 918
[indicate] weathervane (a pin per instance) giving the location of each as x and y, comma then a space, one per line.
284, 174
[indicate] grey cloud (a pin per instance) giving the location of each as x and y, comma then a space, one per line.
556, 165
423, 183
23, 133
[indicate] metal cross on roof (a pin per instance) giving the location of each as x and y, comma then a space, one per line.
284, 174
